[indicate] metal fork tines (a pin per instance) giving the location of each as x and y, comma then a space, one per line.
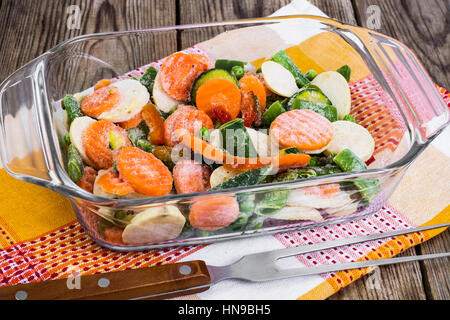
262, 267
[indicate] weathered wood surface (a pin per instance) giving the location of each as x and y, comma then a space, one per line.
28, 28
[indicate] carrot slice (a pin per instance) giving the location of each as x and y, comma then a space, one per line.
203, 59
96, 143
303, 129
213, 213
87, 180
219, 94
102, 83
325, 191
233, 162
178, 73
144, 172
250, 82
189, 176
101, 100
154, 122
114, 235
185, 119
110, 182
132, 123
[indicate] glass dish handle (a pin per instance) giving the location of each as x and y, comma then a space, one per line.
403, 77
24, 129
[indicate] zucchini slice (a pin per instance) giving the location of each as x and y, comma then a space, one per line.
208, 75
336, 88
325, 110
309, 94
246, 178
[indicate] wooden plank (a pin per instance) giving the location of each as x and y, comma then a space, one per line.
36, 26
436, 273
395, 282
422, 25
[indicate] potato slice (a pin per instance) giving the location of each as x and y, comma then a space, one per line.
349, 135
336, 88
154, 225
162, 100
301, 197
221, 174
298, 213
279, 79
77, 129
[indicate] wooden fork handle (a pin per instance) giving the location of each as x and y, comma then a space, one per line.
159, 282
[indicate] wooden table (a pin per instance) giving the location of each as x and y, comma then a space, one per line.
28, 28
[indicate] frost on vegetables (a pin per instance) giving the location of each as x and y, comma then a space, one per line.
196, 125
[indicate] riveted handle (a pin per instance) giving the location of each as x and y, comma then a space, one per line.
158, 282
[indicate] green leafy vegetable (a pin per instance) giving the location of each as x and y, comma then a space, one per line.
348, 162
148, 79
236, 140
345, 71
271, 113
349, 117
311, 74
282, 58
325, 110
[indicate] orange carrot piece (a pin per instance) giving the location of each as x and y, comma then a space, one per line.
233, 162
110, 182
303, 129
96, 143
189, 176
144, 172
250, 82
219, 94
325, 191
99, 101
185, 119
132, 123
114, 235
102, 83
213, 213
179, 72
87, 180
154, 122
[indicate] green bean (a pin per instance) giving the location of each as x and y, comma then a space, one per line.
238, 72
72, 107
271, 113
75, 166
282, 58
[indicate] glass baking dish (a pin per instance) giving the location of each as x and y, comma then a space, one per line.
392, 96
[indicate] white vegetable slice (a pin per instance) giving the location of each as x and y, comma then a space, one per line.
336, 88
302, 197
77, 129
279, 79
133, 96
221, 174
154, 225
298, 213
349, 135
265, 146
348, 209
162, 100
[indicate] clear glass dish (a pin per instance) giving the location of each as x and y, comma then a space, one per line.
392, 96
